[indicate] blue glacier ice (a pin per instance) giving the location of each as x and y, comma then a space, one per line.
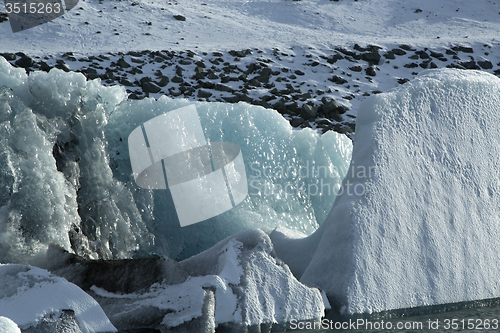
67, 178
67, 183
418, 221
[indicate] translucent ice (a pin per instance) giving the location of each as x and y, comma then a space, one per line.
66, 174
8, 326
418, 221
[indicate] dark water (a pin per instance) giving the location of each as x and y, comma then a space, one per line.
472, 317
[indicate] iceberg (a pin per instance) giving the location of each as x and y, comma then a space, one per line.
34, 300
71, 204
67, 177
238, 282
8, 326
417, 221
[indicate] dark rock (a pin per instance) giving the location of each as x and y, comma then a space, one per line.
137, 61
342, 109
254, 83
292, 107
398, 52
470, 64
422, 54
403, 81
108, 75
4, 17
373, 58
464, 49
485, 64
390, 55
9, 56
335, 116
413, 57
204, 94
349, 53
370, 71
116, 276
135, 70
239, 54
436, 54
406, 47
62, 65
308, 111
44, 66
185, 62
337, 79
455, 66
329, 107
280, 107
333, 59
433, 65
122, 63
178, 70
134, 54
411, 65
244, 98
424, 64
252, 67
200, 64
212, 76
163, 81
206, 84
356, 68
299, 72
222, 87
231, 99
296, 122
179, 18
150, 87
24, 62
325, 124
265, 73
125, 82
177, 79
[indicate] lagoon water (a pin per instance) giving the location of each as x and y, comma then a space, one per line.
477, 317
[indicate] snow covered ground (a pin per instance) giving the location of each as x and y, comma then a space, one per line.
309, 45
94, 27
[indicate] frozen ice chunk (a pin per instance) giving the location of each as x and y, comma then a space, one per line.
66, 175
418, 221
239, 281
29, 294
8, 326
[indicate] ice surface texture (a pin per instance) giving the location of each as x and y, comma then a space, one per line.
8, 326
239, 281
420, 225
30, 296
66, 176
